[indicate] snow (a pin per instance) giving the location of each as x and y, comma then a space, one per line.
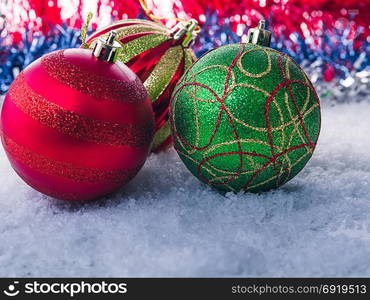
166, 223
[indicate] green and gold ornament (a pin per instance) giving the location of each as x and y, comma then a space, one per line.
159, 56
245, 116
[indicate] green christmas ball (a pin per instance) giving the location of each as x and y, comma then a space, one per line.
245, 117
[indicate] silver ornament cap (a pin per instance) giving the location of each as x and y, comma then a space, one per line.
187, 29
259, 35
108, 48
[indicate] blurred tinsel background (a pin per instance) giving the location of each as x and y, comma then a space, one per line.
329, 38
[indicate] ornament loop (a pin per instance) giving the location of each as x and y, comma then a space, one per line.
259, 36
107, 48
185, 30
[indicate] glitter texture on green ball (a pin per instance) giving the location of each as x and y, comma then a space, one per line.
245, 116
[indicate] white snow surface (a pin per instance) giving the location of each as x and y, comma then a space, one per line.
167, 223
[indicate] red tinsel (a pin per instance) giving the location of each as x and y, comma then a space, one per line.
287, 16
310, 18
48, 12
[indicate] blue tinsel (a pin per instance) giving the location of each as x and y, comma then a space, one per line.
14, 58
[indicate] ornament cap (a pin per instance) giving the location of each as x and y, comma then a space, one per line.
107, 48
185, 30
259, 35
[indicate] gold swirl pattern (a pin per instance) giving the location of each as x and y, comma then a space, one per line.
251, 121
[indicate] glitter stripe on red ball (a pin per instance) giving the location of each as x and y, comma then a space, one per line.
92, 107
100, 87
78, 126
63, 169
65, 188
27, 131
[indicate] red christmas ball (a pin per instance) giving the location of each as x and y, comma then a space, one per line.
76, 127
